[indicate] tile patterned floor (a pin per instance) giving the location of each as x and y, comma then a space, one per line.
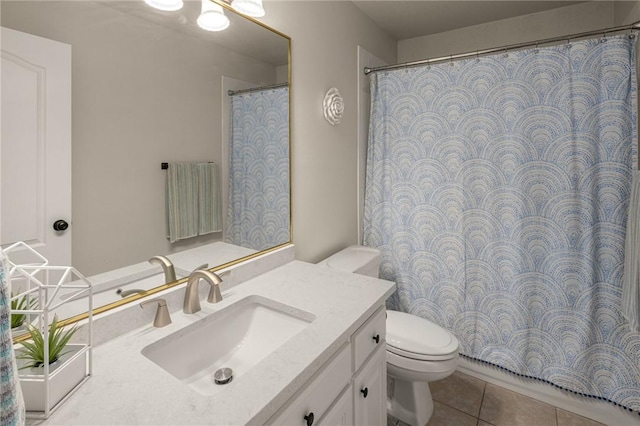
462, 400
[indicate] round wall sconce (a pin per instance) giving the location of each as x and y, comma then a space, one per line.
333, 106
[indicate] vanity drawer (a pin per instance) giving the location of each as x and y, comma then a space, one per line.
368, 337
315, 399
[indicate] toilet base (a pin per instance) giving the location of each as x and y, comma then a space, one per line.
409, 402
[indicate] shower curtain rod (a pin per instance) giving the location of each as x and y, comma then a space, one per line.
257, 89
506, 48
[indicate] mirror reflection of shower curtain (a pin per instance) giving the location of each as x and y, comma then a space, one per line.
258, 209
497, 191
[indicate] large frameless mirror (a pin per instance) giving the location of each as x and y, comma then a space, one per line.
96, 96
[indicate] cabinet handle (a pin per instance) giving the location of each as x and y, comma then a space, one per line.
309, 419
365, 392
377, 338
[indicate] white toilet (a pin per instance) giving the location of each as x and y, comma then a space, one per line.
418, 351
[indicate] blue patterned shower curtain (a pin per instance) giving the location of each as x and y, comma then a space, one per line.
497, 190
258, 211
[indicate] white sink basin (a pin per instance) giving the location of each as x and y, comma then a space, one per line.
237, 337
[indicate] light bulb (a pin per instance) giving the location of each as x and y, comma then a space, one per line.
251, 8
166, 5
212, 17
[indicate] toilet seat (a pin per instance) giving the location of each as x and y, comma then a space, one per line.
421, 357
416, 338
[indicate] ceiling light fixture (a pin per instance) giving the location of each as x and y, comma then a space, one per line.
166, 5
251, 8
212, 17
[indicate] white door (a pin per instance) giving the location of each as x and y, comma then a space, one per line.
35, 149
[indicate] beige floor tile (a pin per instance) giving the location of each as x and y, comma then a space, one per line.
459, 391
444, 415
483, 423
566, 418
502, 407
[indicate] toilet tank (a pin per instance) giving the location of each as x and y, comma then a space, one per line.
357, 259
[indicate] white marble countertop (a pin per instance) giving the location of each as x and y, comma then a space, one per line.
128, 389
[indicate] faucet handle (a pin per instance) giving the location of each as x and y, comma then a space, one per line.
162, 313
214, 291
126, 293
215, 295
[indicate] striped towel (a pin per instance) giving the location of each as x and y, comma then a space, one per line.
182, 201
11, 402
193, 200
631, 278
209, 216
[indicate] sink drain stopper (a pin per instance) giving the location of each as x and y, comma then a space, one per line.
223, 376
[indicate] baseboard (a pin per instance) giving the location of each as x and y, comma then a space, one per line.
599, 411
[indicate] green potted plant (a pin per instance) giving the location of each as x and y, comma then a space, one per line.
68, 366
22, 303
34, 351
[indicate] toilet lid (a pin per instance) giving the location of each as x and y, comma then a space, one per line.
353, 258
418, 338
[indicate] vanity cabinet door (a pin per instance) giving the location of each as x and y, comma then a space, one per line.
370, 390
314, 400
341, 414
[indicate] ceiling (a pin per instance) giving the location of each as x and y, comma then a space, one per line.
407, 19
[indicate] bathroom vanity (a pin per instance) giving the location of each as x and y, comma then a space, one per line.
330, 370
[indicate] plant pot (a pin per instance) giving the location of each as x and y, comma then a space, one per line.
65, 375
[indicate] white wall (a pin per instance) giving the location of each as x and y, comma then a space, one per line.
325, 38
626, 12
574, 19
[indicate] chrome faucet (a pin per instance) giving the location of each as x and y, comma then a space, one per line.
191, 298
167, 267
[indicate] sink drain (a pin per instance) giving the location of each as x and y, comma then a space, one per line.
223, 376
